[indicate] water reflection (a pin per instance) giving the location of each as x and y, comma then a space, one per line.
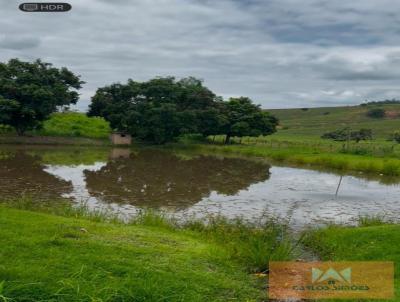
24, 174
191, 184
162, 179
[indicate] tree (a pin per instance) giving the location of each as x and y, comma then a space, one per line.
30, 92
243, 118
159, 110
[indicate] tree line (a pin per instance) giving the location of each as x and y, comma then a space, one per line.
159, 110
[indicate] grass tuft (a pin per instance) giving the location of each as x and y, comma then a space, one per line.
372, 220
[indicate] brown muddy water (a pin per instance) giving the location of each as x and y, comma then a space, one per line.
187, 184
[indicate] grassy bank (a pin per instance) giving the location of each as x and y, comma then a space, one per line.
62, 126
371, 241
388, 166
11, 139
87, 257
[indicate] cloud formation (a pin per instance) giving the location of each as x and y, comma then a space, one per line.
281, 53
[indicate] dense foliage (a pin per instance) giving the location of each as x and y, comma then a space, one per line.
162, 109
347, 134
30, 92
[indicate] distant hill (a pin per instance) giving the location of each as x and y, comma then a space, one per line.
316, 121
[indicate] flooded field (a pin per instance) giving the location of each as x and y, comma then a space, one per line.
126, 180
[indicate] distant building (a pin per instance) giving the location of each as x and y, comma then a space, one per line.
119, 138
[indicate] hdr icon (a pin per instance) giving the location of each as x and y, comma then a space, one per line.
45, 7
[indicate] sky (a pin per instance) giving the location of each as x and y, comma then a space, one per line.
280, 53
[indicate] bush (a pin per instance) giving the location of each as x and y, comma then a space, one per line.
376, 113
345, 134
337, 135
395, 137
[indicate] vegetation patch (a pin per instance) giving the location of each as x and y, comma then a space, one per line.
376, 241
83, 256
337, 161
376, 113
75, 124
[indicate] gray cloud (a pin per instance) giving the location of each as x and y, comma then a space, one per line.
19, 42
282, 53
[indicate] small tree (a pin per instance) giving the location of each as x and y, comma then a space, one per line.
246, 119
376, 113
30, 92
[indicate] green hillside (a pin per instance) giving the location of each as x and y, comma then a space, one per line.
316, 121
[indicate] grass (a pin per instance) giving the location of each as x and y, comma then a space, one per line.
75, 124
373, 220
374, 240
305, 157
59, 253
316, 121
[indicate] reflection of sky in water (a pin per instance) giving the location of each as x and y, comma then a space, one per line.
308, 197
298, 195
75, 174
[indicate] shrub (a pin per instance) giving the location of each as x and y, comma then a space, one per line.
376, 113
345, 134
395, 137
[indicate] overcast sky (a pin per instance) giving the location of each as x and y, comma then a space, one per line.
281, 53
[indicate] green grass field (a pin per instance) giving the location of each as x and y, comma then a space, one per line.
59, 253
313, 122
65, 254
365, 243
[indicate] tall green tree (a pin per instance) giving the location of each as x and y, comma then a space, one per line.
246, 119
159, 110
31, 91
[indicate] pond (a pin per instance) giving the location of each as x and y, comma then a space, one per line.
187, 184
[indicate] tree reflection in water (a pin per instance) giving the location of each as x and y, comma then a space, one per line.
23, 174
156, 178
